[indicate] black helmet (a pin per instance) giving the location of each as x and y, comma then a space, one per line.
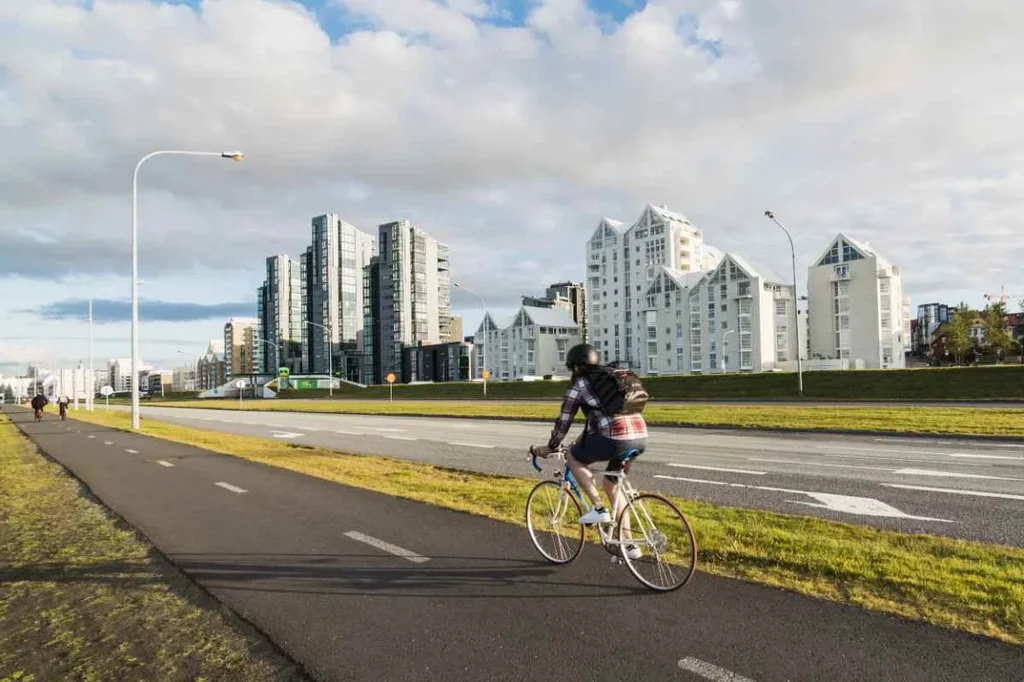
581, 355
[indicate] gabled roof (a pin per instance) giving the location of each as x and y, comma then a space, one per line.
863, 248
606, 226
755, 269
684, 280
664, 213
550, 317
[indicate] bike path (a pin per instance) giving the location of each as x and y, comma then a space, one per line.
476, 601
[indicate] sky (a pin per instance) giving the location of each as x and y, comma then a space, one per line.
506, 129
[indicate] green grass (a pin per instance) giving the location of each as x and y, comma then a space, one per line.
1004, 382
82, 598
897, 420
957, 584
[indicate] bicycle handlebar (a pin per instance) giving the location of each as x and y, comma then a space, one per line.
533, 458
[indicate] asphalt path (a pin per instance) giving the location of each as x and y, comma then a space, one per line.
956, 487
357, 585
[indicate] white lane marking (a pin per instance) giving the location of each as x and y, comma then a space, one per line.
349, 433
285, 434
817, 464
711, 672
232, 488
92, 436
164, 463
107, 442
472, 445
383, 428
952, 474
387, 547
848, 504
133, 452
730, 471
954, 491
966, 456
876, 451
400, 437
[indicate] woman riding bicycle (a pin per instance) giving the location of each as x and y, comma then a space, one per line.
38, 403
605, 437
63, 403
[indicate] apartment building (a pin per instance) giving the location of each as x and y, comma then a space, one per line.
531, 343
240, 347
331, 295
929, 317
856, 307
735, 317
623, 261
411, 304
119, 374
279, 312
210, 368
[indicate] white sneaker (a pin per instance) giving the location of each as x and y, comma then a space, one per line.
633, 552
594, 516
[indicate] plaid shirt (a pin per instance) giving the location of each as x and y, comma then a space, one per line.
617, 427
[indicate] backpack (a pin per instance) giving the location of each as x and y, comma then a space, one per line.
617, 390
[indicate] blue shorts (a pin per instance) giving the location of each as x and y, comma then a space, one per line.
595, 448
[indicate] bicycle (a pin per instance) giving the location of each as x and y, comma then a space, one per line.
647, 521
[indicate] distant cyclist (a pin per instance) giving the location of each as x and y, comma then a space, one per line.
611, 429
63, 403
38, 403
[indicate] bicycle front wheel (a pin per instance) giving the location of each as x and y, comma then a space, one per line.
667, 548
553, 518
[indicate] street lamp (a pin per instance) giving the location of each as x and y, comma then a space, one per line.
486, 329
796, 301
234, 156
725, 358
330, 353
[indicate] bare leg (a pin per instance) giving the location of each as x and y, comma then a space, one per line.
611, 488
585, 478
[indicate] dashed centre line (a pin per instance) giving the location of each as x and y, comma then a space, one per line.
232, 488
164, 463
132, 452
711, 672
387, 547
107, 442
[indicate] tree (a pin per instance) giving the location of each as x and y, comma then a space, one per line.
959, 342
997, 336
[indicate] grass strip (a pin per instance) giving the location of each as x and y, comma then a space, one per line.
951, 583
963, 421
83, 598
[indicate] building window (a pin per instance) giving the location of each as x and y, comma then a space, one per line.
561, 345
743, 289
780, 307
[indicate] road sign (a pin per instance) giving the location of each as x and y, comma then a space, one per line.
106, 391
485, 374
241, 383
391, 378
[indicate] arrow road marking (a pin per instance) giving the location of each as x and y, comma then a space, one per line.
285, 434
387, 547
847, 504
711, 672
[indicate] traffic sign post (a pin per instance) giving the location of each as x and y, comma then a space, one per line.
240, 384
106, 391
391, 387
486, 375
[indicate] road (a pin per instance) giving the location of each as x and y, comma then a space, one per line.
357, 585
960, 488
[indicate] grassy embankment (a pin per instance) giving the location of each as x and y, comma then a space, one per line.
951, 583
896, 420
83, 597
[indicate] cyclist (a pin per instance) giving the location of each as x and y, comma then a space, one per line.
604, 439
38, 403
63, 403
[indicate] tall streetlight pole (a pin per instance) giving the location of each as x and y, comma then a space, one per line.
725, 357
796, 302
90, 393
330, 352
483, 305
234, 156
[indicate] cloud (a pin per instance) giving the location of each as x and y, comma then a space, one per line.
897, 122
105, 310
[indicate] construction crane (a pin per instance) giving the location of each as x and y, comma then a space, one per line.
1003, 297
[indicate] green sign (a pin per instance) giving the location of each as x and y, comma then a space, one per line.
304, 383
282, 372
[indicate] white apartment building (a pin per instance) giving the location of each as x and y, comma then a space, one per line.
735, 317
531, 343
856, 307
331, 291
119, 374
623, 261
240, 347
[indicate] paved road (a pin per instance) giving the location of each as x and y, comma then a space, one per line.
313, 564
960, 488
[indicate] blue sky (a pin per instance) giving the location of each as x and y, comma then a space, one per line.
874, 119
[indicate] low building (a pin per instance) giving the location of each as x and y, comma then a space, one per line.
183, 379
158, 381
532, 343
436, 362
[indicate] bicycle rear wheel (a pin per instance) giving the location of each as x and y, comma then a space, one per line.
666, 542
553, 519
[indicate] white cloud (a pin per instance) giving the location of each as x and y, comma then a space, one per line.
895, 120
